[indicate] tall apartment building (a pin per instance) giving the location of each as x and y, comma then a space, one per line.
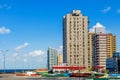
111, 45
99, 50
102, 46
51, 57
75, 39
90, 56
60, 59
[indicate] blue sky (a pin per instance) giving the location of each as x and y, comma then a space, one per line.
29, 27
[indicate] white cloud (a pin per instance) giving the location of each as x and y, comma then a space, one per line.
118, 11
15, 54
21, 46
97, 25
4, 30
25, 60
61, 49
92, 30
34, 59
36, 53
106, 9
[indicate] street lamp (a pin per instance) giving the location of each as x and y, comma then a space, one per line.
3, 51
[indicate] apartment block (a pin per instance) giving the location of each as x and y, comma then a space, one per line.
99, 50
111, 45
51, 57
75, 39
60, 59
90, 55
101, 46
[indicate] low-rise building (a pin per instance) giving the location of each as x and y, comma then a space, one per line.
113, 64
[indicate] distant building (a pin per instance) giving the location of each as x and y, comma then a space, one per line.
101, 47
51, 57
111, 45
90, 56
99, 30
41, 70
75, 39
99, 50
66, 68
60, 59
113, 64
104, 45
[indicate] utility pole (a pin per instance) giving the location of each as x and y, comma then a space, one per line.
4, 58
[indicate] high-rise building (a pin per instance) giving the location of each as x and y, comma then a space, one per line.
90, 56
99, 50
51, 57
75, 39
111, 45
60, 59
104, 45
101, 47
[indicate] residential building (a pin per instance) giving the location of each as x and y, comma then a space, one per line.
104, 45
111, 45
99, 50
75, 39
101, 47
60, 59
51, 57
90, 56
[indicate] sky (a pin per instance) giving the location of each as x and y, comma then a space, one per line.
29, 27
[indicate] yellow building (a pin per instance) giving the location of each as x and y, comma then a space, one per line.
90, 48
111, 45
60, 59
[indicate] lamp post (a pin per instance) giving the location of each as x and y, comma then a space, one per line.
4, 58
15, 56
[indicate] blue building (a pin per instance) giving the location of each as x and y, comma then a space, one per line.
113, 64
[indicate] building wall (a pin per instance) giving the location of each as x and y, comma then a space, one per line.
100, 50
52, 57
99, 30
111, 45
75, 39
102, 46
113, 63
90, 56
60, 59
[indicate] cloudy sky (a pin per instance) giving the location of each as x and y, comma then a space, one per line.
29, 27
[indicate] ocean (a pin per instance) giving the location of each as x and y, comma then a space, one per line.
14, 70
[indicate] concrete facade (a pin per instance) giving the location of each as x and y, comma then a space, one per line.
51, 57
111, 45
90, 56
100, 50
60, 59
104, 45
75, 39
